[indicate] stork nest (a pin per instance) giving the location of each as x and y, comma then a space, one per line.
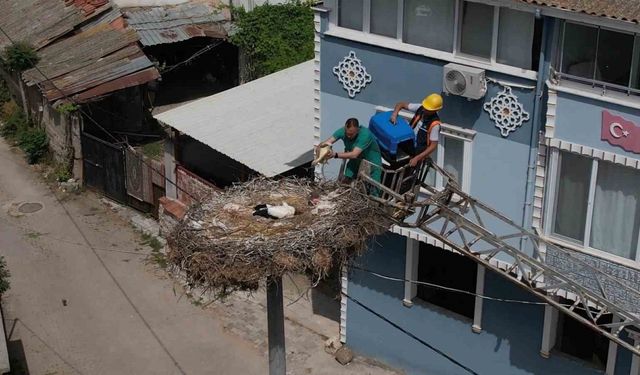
220, 246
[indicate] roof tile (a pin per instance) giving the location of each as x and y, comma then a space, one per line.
622, 10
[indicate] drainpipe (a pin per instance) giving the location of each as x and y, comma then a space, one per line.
543, 74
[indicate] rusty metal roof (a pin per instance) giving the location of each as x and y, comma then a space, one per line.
170, 24
84, 47
40, 22
91, 59
622, 10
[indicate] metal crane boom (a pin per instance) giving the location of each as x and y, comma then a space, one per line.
481, 233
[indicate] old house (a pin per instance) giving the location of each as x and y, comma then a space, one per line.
540, 121
87, 56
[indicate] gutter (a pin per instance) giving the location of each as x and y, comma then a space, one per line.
543, 74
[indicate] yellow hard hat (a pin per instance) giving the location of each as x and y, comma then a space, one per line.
432, 102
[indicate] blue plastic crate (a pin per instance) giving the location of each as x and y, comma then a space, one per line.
391, 135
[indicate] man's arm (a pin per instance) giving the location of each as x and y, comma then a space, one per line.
399, 107
349, 155
424, 154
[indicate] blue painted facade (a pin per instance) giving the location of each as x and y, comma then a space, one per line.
510, 341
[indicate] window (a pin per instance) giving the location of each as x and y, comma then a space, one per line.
429, 23
350, 13
454, 158
477, 29
597, 204
597, 54
442, 267
517, 32
384, 17
454, 155
473, 30
515, 41
578, 340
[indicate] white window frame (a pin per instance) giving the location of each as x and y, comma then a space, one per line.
462, 134
550, 206
594, 82
397, 43
494, 36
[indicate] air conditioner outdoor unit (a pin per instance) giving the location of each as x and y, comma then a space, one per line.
464, 81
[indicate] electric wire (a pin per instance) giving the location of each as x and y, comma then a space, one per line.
398, 327
92, 120
192, 57
442, 287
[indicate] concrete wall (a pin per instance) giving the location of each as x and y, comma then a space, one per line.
509, 343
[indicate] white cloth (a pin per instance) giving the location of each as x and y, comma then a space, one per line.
435, 132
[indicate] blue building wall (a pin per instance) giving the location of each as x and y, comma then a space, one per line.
579, 120
511, 336
509, 343
499, 165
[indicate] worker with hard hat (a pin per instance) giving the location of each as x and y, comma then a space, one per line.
428, 122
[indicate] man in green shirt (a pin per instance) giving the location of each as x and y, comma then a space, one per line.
359, 143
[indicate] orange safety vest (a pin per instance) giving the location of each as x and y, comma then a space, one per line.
424, 133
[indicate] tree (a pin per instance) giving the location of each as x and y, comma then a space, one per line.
274, 37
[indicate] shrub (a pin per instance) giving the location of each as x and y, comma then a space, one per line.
14, 122
5, 95
274, 37
33, 141
67, 108
62, 172
4, 276
19, 57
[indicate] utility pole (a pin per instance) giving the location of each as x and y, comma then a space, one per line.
275, 323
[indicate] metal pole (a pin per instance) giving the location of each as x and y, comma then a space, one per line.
275, 323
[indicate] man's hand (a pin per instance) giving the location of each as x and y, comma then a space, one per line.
331, 155
393, 118
414, 161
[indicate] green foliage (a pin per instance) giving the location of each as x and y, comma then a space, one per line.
274, 37
62, 172
33, 141
4, 276
14, 122
5, 95
153, 150
67, 108
19, 57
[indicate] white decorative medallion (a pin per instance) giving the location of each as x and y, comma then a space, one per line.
506, 111
352, 74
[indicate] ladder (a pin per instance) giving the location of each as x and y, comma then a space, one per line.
479, 232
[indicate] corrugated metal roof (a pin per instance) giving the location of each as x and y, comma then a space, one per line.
159, 25
623, 10
90, 59
99, 57
39, 22
266, 124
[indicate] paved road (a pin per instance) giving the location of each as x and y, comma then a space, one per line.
82, 301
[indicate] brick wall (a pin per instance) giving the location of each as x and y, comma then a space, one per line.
194, 185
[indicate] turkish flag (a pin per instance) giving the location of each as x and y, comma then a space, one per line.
620, 132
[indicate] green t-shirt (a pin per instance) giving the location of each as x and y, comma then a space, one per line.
365, 141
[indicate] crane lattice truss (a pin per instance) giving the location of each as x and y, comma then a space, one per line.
479, 232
